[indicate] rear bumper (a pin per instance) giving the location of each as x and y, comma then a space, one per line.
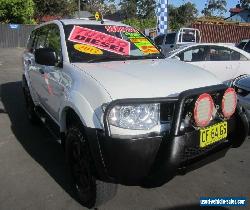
151, 162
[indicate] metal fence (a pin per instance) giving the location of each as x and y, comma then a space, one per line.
14, 35
223, 33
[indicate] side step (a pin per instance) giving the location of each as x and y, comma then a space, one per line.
49, 123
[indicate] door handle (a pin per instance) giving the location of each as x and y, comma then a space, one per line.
41, 71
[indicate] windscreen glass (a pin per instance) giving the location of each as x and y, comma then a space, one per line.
95, 43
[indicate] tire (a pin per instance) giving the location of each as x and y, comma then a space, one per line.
30, 106
88, 191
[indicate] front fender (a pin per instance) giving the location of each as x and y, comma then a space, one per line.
83, 109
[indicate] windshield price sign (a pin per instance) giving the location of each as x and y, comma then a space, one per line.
100, 40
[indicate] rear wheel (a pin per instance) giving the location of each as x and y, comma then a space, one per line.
89, 191
30, 106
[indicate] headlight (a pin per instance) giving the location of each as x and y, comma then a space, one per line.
135, 117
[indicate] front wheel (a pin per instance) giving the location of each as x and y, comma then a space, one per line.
89, 191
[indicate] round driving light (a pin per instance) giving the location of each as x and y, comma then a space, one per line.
203, 110
229, 103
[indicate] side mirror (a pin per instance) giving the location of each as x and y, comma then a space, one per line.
46, 56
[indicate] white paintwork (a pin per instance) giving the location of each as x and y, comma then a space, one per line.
147, 78
223, 70
90, 22
85, 87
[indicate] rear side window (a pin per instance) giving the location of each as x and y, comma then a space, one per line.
187, 38
194, 54
189, 35
219, 54
211, 53
236, 56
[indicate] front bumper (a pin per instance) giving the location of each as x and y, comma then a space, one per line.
152, 161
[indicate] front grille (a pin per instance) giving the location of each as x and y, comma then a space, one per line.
191, 153
167, 112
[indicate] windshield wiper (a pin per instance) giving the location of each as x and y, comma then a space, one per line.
107, 58
127, 57
153, 56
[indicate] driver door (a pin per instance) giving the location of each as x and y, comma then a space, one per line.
47, 80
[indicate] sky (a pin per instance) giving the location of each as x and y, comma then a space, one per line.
200, 4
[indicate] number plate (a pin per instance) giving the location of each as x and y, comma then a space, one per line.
213, 134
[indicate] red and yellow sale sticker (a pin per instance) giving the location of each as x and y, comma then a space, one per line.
148, 49
142, 43
100, 40
120, 29
133, 34
88, 49
139, 40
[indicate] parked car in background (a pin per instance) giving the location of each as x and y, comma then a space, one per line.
225, 61
124, 113
173, 40
244, 45
242, 88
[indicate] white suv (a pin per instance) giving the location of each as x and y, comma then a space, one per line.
123, 112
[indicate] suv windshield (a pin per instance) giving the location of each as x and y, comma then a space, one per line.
92, 43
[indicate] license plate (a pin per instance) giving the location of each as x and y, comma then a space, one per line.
213, 134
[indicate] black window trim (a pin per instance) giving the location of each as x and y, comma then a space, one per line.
49, 26
215, 46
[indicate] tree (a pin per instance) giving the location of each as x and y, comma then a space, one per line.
146, 8
54, 8
139, 13
17, 11
141, 24
215, 8
128, 9
103, 6
244, 4
182, 15
143, 9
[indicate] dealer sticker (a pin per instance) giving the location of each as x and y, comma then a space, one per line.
100, 40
